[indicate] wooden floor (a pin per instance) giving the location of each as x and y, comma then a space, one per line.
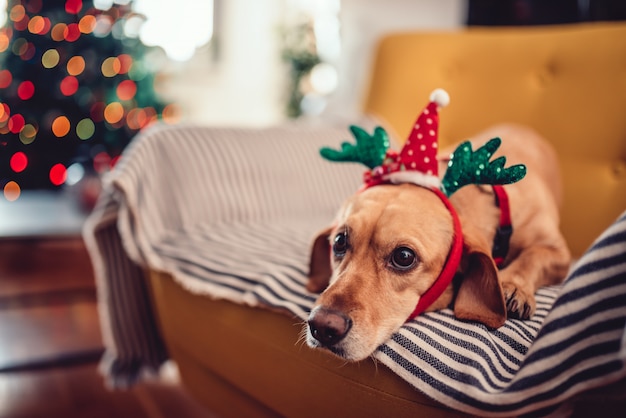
50, 341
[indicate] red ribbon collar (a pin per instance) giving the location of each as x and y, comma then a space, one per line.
499, 251
450, 267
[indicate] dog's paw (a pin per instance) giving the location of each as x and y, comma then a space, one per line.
520, 303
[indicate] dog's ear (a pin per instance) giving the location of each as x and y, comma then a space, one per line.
479, 297
320, 269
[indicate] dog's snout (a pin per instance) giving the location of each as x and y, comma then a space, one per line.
328, 326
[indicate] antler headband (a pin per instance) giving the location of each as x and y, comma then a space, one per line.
417, 163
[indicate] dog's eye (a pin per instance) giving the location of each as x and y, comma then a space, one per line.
403, 258
340, 245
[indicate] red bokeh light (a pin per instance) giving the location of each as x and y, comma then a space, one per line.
22, 24
126, 61
18, 162
69, 85
73, 6
126, 90
72, 32
5, 79
26, 90
33, 6
97, 111
102, 162
58, 174
47, 25
16, 123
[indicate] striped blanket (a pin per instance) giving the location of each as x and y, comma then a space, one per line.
190, 200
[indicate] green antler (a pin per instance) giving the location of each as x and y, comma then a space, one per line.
473, 167
369, 149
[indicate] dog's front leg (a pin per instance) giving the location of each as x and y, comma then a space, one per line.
535, 266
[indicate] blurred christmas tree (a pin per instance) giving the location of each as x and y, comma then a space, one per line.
74, 88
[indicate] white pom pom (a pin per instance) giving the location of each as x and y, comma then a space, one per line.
441, 97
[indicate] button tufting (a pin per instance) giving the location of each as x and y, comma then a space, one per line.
619, 168
547, 73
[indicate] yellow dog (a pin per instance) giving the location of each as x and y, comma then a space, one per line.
391, 243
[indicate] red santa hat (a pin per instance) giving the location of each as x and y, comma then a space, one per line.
418, 158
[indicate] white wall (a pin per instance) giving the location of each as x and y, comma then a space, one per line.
240, 86
246, 85
363, 22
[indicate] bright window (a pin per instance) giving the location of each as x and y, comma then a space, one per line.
178, 27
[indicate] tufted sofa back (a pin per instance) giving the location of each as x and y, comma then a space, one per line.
568, 82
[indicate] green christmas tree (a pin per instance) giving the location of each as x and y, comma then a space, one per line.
75, 88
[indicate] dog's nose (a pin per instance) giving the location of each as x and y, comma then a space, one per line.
328, 326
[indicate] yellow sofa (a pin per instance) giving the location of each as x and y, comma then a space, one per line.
567, 82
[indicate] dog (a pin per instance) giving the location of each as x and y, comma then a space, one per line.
388, 244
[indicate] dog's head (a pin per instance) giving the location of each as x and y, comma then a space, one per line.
386, 248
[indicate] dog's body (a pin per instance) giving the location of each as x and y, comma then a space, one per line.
391, 241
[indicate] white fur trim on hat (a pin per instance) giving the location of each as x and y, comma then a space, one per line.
414, 177
441, 97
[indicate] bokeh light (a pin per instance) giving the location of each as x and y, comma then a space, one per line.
5, 78
69, 85
16, 123
171, 114
103, 25
5, 112
71, 33
22, 25
58, 174
75, 173
17, 13
12, 191
126, 90
28, 134
36, 25
73, 6
151, 114
324, 78
132, 26
34, 6
102, 162
26, 90
50, 58
114, 112
87, 24
28, 52
58, 32
103, 4
97, 111
85, 129
136, 119
20, 46
75, 65
61, 126
5, 39
39, 25
111, 67
18, 162
126, 62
